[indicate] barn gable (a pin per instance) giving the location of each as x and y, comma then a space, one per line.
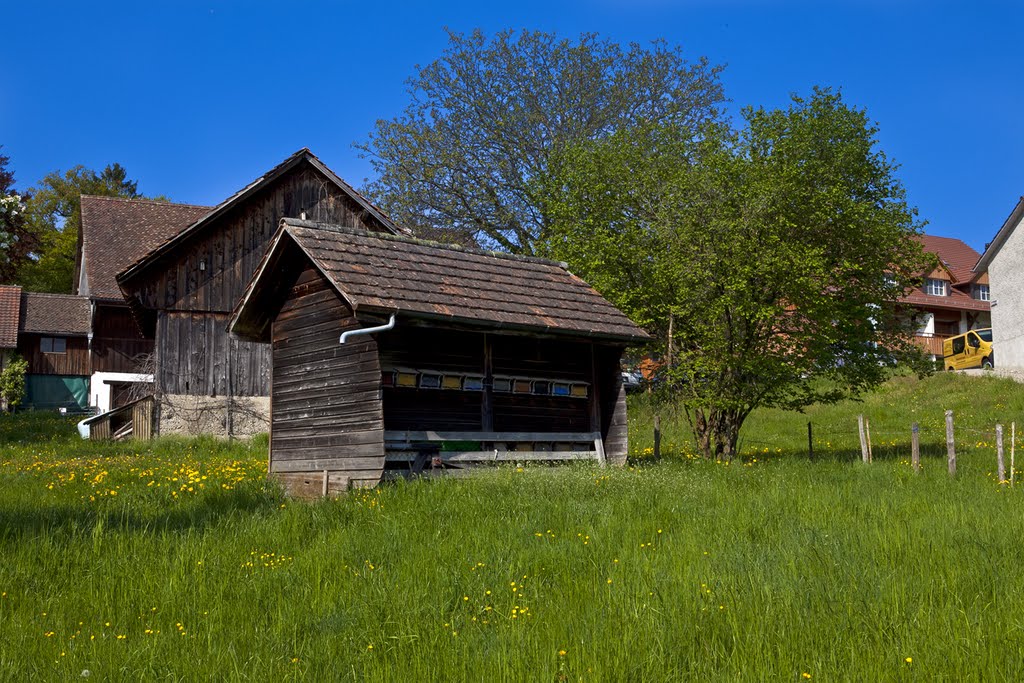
183, 290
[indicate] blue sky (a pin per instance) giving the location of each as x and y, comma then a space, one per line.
197, 99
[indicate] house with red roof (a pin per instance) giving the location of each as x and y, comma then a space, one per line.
114, 234
953, 298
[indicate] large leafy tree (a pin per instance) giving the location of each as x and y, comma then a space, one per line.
485, 118
16, 238
55, 214
775, 250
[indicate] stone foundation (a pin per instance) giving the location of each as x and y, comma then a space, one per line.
195, 415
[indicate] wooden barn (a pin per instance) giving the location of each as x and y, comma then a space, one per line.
478, 356
183, 290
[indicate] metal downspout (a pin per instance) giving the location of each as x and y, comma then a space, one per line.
368, 330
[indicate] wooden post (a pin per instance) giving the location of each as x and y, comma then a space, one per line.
915, 447
668, 349
487, 399
950, 444
657, 437
863, 439
867, 431
595, 406
1000, 465
1013, 450
229, 418
810, 441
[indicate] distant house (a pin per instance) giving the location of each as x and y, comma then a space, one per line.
53, 337
115, 233
1002, 260
953, 297
182, 291
496, 356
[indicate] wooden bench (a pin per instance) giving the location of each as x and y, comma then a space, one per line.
414, 447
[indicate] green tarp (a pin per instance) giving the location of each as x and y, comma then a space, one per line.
48, 392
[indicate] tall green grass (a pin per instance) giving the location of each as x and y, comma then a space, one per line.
679, 570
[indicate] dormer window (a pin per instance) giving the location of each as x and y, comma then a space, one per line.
935, 287
981, 292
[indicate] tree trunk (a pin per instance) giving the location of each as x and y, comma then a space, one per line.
717, 432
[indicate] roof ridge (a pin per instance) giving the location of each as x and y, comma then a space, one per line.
328, 227
55, 295
144, 200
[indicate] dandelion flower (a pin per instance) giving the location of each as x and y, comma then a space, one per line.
909, 660
561, 653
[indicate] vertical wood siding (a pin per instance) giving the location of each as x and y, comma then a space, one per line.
193, 350
74, 361
197, 287
117, 344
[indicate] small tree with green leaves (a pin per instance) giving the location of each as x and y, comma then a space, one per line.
773, 253
12, 383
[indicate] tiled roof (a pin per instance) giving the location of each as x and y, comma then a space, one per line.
118, 232
959, 258
10, 313
60, 314
385, 273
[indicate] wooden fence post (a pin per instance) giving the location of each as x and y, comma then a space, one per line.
915, 447
950, 444
657, 437
810, 441
867, 432
863, 440
1000, 465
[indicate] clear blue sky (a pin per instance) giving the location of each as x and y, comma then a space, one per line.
197, 99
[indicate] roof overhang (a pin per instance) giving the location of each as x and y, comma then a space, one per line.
249, 320
1011, 222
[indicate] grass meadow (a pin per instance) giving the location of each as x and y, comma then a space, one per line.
175, 560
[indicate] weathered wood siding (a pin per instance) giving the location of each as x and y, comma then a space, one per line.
612, 397
326, 401
197, 357
195, 287
210, 271
117, 344
74, 361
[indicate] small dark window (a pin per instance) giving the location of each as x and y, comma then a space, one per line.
53, 345
958, 345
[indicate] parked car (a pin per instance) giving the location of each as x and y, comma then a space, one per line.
972, 349
632, 380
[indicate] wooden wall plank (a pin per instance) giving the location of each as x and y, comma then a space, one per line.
326, 398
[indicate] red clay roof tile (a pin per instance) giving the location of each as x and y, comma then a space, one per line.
10, 314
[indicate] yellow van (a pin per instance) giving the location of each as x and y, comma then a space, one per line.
970, 350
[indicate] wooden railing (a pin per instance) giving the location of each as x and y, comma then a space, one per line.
931, 344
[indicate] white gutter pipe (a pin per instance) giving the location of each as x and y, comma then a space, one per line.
368, 330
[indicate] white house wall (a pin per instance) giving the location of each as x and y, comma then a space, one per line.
1006, 278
